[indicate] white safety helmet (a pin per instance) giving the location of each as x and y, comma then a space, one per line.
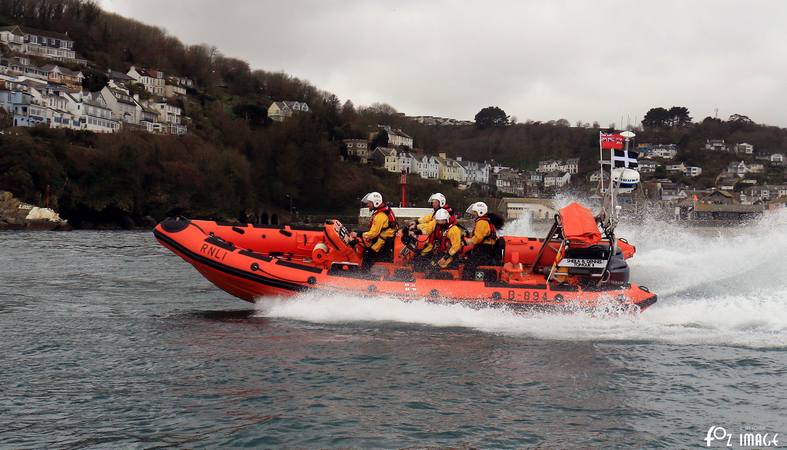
375, 197
441, 214
479, 208
439, 197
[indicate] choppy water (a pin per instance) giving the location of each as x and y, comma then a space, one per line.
109, 341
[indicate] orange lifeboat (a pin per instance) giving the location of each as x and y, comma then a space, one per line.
571, 268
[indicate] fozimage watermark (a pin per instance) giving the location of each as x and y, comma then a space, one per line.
749, 436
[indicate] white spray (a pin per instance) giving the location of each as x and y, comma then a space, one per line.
722, 287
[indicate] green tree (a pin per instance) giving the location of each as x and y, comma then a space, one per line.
679, 116
656, 118
491, 116
740, 118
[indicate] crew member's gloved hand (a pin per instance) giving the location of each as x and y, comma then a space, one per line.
444, 261
353, 242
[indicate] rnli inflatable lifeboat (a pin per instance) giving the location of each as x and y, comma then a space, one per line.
572, 268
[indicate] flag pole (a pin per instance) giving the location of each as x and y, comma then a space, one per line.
601, 163
612, 189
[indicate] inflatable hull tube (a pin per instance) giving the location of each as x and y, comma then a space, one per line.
251, 272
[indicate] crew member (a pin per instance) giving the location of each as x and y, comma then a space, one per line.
378, 241
425, 226
481, 248
448, 239
424, 260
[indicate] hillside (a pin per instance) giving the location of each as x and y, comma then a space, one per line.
237, 163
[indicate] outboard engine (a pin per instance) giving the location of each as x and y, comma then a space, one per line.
589, 264
618, 269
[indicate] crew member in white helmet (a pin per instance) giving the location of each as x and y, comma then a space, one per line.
481, 245
378, 241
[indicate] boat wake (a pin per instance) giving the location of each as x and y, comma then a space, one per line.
718, 287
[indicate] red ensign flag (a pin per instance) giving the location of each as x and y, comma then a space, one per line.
611, 141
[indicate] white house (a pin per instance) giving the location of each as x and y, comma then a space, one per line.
676, 168
168, 113
534, 177
123, 106
280, 111
398, 137
66, 108
777, 159
550, 165
647, 165
744, 148
715, 145
693, 171
558, 165
404, 162
428, 167
475, 172
96, 115
556, 179
152, 80
664, 151
40, 43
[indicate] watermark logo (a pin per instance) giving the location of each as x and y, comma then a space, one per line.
719, 436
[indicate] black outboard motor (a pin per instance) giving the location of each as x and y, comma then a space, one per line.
618, 269
589, 263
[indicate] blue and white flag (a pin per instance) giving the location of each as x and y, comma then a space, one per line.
625, 158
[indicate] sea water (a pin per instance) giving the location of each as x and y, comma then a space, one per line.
110, 341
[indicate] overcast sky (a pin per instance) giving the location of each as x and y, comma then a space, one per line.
539, 60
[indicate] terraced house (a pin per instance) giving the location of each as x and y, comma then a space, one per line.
41, 43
